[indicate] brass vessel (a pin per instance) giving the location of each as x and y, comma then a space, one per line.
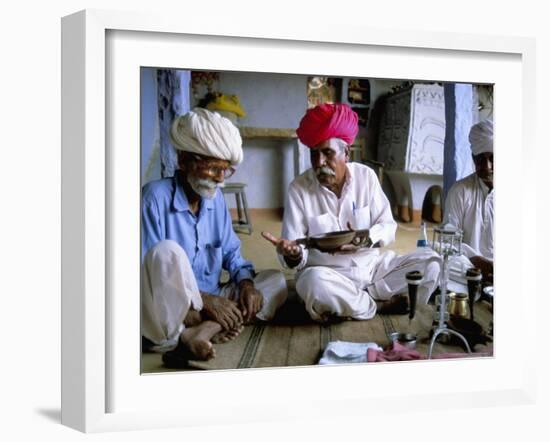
458, 305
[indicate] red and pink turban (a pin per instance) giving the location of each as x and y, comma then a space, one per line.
328, 121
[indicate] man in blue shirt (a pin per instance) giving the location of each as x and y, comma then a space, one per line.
187, 239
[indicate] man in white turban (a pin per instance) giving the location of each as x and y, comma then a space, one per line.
187, 239
469, 204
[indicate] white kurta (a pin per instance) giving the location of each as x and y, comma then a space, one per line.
347, 284
470, 207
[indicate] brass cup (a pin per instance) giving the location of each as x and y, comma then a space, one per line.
458, 305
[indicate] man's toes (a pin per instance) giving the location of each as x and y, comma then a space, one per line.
218, 339
203, 350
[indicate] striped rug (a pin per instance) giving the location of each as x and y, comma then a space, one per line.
296, 341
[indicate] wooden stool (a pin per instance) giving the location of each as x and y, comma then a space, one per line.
243, 222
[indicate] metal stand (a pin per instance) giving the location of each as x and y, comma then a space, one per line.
448, 243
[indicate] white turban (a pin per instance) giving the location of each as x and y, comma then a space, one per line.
207, 133
481, 137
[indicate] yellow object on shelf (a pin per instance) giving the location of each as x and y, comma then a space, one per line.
228, 103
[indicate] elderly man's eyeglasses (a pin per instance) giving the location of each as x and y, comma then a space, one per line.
213, 170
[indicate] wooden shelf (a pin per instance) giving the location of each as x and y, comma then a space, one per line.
266, 132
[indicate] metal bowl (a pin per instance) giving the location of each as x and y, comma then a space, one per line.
407, 340
328, 242
331, 241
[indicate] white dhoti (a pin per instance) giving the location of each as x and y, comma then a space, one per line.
169, 289
349, 293
325, 290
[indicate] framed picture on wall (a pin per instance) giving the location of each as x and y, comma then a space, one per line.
104, 386
359, 91
363, 114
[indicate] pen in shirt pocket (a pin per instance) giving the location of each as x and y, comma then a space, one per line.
353, 209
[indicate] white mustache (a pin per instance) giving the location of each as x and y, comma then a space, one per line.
204, 187
325, 170
209, 184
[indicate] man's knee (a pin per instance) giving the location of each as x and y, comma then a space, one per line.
273, 276
308, 282
432, 272
316, 286
168, 275
272, 284
167, 252
165, 247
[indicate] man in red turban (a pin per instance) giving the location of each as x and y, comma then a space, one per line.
334, 195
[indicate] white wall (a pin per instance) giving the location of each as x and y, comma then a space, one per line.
30, 222
270, 101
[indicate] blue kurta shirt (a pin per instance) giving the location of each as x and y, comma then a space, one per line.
208, 238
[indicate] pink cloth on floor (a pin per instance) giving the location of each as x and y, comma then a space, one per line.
399, 352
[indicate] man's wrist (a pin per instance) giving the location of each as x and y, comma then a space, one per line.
243, 283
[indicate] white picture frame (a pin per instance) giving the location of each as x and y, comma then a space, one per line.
101, 388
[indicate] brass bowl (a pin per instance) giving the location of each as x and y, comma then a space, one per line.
331, 241
328, 242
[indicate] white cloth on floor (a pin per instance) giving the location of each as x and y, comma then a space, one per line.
169, 290
343, 352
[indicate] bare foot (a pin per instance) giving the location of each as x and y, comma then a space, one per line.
227, 335
396, 305
197, 340
328, 318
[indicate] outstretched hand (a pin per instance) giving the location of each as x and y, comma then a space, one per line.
284, 247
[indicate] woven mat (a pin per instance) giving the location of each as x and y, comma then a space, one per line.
294, 340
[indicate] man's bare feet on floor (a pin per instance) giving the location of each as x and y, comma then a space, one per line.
227, 335
328, 318
396, 305
196, 340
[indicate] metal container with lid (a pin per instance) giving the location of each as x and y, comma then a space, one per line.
405, 339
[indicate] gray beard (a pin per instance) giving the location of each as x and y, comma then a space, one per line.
204, 187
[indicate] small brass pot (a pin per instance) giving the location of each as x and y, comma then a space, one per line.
405, 339
458, 305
